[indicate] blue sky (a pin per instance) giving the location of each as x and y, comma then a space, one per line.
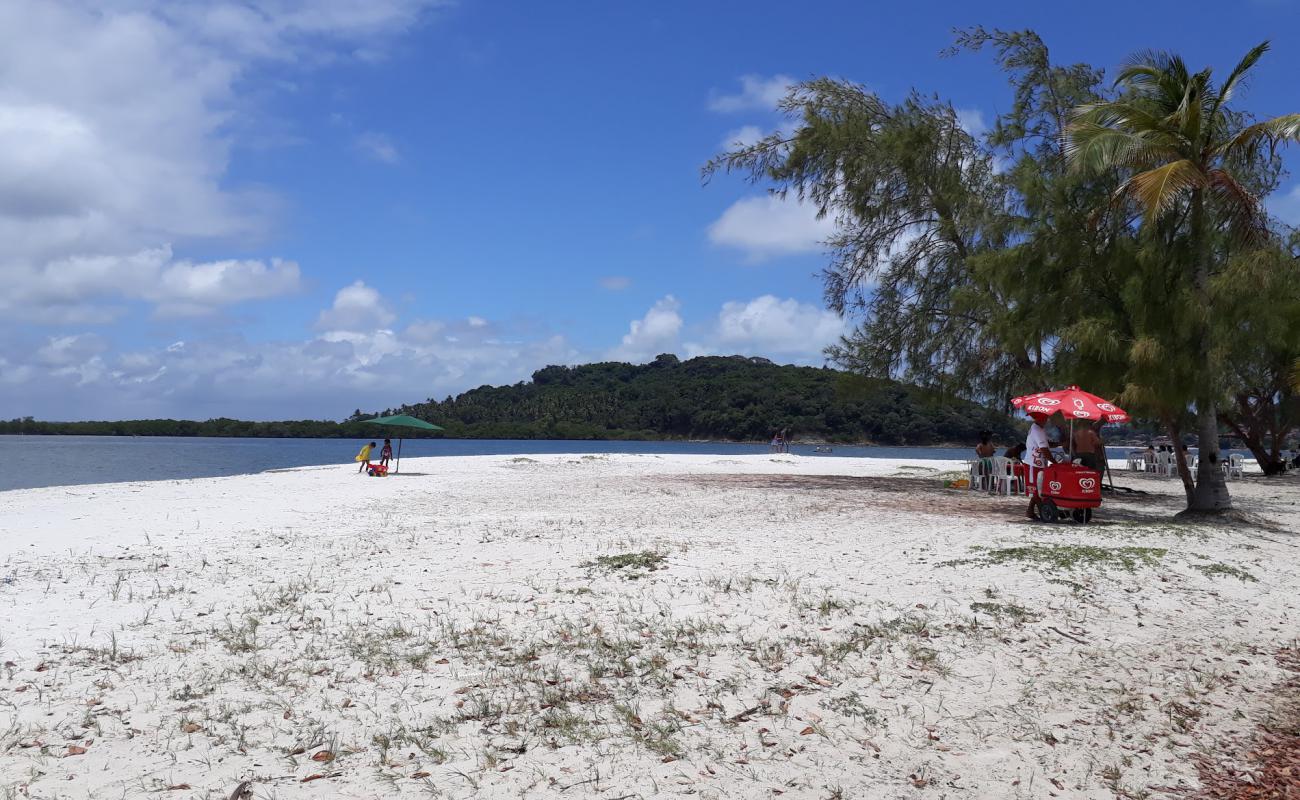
293, 208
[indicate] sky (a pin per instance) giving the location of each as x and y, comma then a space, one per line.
289, 209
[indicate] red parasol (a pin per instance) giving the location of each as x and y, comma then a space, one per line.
1072, 403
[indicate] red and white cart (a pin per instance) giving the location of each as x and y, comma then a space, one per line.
1068, 490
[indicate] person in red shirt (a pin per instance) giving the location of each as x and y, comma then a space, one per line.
386, 454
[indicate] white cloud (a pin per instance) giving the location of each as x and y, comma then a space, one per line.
742, 137
768, 226
58, 291
971, 120
756, 94
657, 332
117, 123
78, 377
615, 283
356, 308
185, 288
378, 147
65, 351
1285, 206
769, 326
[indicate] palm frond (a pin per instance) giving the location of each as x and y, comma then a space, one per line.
1093, 148
1187, 117
1158, 190
1139, 74
1241, 209
1285, 128
1238, 74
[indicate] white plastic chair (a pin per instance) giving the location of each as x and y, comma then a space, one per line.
1000, 475
1236, 465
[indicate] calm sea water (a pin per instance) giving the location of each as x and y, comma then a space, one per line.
33, 461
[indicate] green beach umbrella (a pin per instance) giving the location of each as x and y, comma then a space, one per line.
403, 421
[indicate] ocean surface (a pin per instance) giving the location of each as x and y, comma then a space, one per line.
34, 461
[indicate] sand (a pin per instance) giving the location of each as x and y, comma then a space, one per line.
628, 626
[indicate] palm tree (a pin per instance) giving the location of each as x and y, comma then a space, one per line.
1185, 152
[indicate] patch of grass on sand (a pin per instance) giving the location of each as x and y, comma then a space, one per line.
523, 460
1217, 569
1010, 611
1074, 586
629, 564
853, 706
1066, 557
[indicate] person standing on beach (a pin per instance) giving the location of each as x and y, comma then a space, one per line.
386, 454
1039, 450
364, 456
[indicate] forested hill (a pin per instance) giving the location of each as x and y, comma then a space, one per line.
732, 398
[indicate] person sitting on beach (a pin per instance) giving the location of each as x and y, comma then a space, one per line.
386, 454
1015, 452
364, 456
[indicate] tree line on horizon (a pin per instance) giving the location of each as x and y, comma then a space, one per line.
721, 398
1109, 234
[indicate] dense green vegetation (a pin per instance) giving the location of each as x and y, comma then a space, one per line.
732, 398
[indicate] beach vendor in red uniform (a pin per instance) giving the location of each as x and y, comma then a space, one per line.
1038, 454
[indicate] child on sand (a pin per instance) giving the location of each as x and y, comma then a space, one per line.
386, 454
364, 456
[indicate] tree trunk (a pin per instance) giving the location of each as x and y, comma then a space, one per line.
1269, 458
1180, 458
1211, 493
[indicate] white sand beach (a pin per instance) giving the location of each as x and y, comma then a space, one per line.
629, 626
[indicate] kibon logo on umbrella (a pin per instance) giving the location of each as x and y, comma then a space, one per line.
1080, 405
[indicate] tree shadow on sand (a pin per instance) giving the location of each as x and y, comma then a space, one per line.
927, 495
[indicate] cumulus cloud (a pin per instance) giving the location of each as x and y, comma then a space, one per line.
756, 94
764, 326
656, 332
378, 147
769, 226
117, 122
185, 288
59, 291
356, 308
770, 326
